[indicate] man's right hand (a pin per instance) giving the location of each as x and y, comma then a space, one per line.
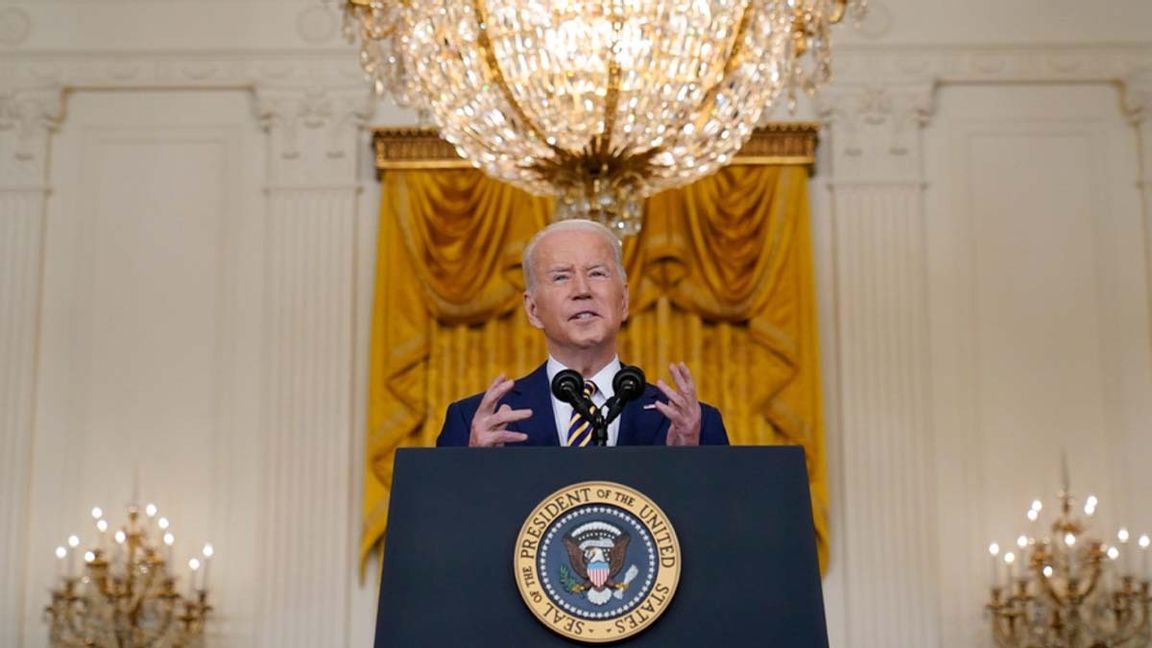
489, 425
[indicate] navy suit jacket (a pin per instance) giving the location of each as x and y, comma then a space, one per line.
638, 426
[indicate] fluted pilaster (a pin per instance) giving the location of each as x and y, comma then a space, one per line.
887, 495
26, 118
890, 569
307, 393
21, 226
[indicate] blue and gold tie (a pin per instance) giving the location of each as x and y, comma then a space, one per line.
580, 428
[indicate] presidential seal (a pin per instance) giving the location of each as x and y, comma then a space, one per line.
597, 562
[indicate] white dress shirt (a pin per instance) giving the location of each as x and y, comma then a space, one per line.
563, 411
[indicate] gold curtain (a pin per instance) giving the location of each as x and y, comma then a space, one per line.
720, 277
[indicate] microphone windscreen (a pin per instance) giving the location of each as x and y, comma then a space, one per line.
567, 385
628, 383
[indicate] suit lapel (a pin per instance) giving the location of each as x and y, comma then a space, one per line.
640, 423
533, 392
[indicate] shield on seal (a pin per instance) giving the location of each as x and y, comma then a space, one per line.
598, 573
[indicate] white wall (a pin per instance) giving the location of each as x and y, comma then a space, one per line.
150, 342
186, 254
1038, 313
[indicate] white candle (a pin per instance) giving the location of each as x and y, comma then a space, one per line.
73, 543
102, 527
994, 551
150, 516
1144, 542
1125, 554
208, 553
193, 567
168, 540
1090, 505
1110, 568
120, 537
1010, 560
1070, 542
1033, 519
61, 556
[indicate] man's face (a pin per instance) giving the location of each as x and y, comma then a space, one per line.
579, 299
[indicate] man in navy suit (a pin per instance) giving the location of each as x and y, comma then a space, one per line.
577, 294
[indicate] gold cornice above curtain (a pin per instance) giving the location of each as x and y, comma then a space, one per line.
408, 148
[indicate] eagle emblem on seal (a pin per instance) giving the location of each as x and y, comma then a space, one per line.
597, 552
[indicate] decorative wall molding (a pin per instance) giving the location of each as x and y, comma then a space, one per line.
315, 102
313, 121
881, 96
1136, 93
320, 95
15, 26
876, 128
1137, 98
187, 69
29, 115
918, 64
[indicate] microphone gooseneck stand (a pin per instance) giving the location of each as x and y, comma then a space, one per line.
568, 386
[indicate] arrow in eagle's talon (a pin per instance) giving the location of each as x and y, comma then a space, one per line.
628, 576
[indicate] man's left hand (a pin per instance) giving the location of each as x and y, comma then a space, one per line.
682, 408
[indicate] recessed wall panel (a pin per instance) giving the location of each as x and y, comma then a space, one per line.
150, 337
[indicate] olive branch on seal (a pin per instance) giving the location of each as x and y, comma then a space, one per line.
570, 584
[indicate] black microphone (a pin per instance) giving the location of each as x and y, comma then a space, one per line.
628, 384
568, 386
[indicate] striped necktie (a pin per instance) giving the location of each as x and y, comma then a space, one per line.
579, 428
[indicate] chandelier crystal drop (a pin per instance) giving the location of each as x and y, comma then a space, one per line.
598, 102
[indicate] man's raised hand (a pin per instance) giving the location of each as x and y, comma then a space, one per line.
682, 408
489, 425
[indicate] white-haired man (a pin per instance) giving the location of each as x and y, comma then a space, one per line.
577, 294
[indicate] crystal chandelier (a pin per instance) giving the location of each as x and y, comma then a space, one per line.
597, 102
125, 594
1063, 589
